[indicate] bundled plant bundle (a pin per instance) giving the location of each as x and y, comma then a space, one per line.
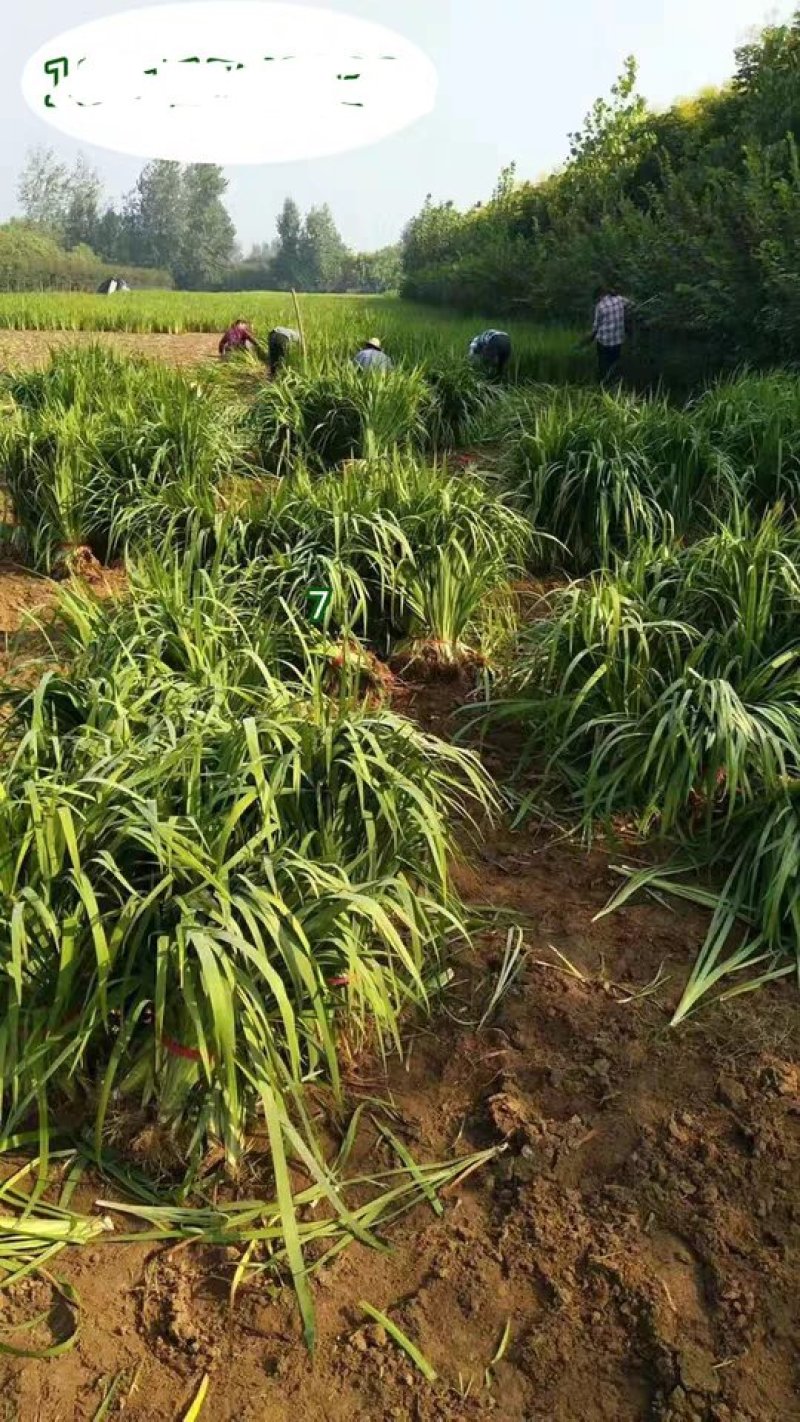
208, 868
669, 688
599, 471
94, 433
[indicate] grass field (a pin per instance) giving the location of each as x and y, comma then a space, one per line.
232, 872
332, 324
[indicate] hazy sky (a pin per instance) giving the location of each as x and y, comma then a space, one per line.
515, 77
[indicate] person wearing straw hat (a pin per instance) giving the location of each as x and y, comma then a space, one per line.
372, 356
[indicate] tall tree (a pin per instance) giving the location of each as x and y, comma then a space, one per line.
155, 215
373, 271
43, 189
287, 270
82, 217
432, 236
208, 243
112, 237
322, 251
262, 251
767, 83
616, 136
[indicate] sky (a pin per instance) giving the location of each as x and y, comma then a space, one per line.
515, 76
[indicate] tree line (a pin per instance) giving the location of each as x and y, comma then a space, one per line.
309, 254
694, 213
173, 224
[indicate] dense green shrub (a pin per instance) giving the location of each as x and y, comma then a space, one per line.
694, 213
88, 437
30, 260
668, 688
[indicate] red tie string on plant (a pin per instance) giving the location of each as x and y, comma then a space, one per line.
190, 1054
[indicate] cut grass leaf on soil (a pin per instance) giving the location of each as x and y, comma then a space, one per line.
298, 1233
199, 1401
733, 945
291, 1236
502, 1349
113, 1400
32, 1233
402, 1340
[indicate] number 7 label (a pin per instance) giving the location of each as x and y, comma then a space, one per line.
319, 601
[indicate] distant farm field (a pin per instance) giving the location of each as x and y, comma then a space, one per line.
332, 324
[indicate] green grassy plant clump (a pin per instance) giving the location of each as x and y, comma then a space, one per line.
407, 550
328, 413
668, 687
91, 434
600, 470
460, 397
754, 420
209, 868
333, 414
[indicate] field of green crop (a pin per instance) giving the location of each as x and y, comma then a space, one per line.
224, 851
332, 324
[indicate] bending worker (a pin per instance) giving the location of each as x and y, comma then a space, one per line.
279, 341
372, 356
493, 350
239, 337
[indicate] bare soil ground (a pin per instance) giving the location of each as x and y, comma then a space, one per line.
32, 348
641, 1232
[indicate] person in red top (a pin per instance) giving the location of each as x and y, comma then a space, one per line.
239, 337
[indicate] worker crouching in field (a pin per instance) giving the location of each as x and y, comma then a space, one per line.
372, 356
279, 343
492, 350
613, 320
239, 337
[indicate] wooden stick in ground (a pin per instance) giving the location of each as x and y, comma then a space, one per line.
299, 320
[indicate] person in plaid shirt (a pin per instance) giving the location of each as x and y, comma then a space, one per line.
612, 316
